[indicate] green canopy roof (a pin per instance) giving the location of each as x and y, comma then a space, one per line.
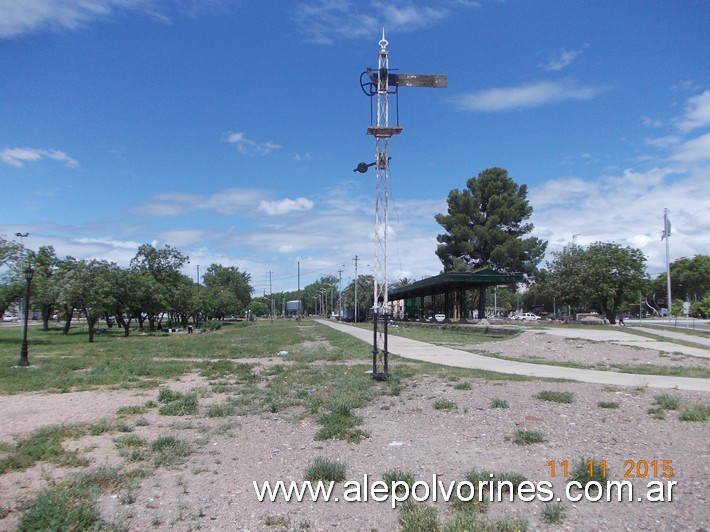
447, 282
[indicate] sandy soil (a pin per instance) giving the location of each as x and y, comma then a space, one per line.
213, 489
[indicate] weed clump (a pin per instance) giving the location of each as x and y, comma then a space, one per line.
325, 470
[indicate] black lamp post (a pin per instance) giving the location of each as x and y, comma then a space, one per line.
24, 361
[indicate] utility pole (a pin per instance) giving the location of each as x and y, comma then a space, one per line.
382, 83
340, 293
356, 283
298, 304
271, 299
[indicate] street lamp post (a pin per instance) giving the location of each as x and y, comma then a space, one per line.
24, 361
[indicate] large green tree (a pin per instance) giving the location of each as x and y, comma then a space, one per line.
226, 291
690, 278
86, 285
486, 226
605, 276
44, 288
161, 268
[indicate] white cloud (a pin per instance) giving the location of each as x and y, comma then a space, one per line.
529, 95
19, 156
694, 150
664, 142
650, 122
697, 112
226, 202
285, 206
18, 17
247, 146
324, 21
561, 60
109, 242
26, 16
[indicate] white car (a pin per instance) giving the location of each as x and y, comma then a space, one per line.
527, 316
10, 319
440, 317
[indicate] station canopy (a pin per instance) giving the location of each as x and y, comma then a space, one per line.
454, 281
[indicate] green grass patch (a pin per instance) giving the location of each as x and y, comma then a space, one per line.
222, 410
341, 424
445, 404
608, 404
71, 504
45, 445
418, 518
553, 513
398, 479
528, 437
132, 410
498, 403
325, 470
169, 451
588, 470
668, 402
695, 412
177, 404
555, 397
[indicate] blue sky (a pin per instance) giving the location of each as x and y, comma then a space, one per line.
230, 128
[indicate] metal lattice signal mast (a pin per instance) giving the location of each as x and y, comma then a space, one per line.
382, 133
382, 84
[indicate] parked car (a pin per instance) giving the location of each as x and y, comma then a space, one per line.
527, 316
10, 319
440, 317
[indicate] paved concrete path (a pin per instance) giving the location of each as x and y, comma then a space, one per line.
617, 335
417, 350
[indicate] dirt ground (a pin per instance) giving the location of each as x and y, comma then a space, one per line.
213, 489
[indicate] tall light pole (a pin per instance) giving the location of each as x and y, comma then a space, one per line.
24, 360
22, 236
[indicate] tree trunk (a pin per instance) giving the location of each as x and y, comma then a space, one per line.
67, 324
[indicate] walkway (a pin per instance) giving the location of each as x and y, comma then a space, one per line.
417, 350
618, 335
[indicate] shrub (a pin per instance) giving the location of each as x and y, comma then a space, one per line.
589, 470
390, 477
418, 518
668, 402
695, 413
553, 513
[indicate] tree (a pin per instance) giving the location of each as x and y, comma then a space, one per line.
226, 291
87, 285
44, 289
605, 275
162, 267
485, 226
129, 287
690, 278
